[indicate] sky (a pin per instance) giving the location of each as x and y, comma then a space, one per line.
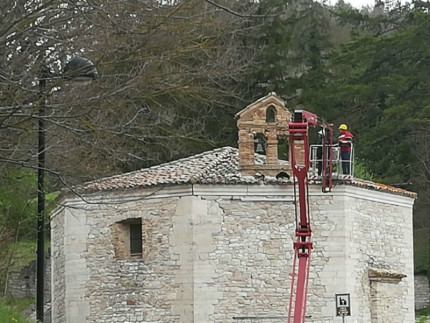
355, 3
359, 3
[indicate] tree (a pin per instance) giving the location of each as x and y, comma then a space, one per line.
169, 82
294, 44
17, 216
379, 87
382, 88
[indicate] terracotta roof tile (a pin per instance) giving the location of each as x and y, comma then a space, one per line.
382, 187
219, 166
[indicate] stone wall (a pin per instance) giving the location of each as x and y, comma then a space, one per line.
422, 292
381, 238
224, 254
22, 284
103, 288
386, 298
251, 258
58, 282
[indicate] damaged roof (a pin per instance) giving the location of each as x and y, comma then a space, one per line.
219, 166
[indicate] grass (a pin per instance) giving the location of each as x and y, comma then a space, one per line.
423, 315
24, 253
11, 310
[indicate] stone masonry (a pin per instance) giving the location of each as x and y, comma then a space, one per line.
224, 254
22, 283
422, 292
252, 121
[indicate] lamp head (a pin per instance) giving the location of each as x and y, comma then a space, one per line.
80, 70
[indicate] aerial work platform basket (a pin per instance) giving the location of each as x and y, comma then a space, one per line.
316, 162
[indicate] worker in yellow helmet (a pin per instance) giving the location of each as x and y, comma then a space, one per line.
345, 144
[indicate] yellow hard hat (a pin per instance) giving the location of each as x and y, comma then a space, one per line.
343, 127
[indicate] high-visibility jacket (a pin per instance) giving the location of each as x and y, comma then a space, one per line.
345, 140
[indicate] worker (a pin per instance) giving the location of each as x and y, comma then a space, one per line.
345, 144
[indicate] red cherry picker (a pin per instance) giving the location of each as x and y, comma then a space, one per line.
298, 134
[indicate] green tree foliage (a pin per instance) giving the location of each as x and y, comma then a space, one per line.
294, 46
380, 86
17, 204
421, 251
17, 215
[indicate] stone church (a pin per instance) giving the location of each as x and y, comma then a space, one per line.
209, 238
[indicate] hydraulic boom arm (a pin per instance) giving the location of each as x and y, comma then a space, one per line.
298, 133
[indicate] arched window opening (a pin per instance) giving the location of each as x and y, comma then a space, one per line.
283, 148
283, 175
260, 144
271, 114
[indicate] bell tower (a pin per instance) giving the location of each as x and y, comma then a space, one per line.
263, 125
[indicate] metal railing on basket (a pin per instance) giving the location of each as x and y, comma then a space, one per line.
316, 163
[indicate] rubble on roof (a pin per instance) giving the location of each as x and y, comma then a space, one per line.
382, 187
219, 166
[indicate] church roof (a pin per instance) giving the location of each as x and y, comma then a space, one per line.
219, 166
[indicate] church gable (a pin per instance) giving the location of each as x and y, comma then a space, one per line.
269, 110
263, 129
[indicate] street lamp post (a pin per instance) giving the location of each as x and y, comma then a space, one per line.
80, 70
41, 199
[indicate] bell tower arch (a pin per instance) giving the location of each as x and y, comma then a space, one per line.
262, 126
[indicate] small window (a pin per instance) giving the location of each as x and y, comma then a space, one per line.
136, 239
127, 238
271, 114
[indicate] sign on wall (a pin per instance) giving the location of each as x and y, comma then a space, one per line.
343, 305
